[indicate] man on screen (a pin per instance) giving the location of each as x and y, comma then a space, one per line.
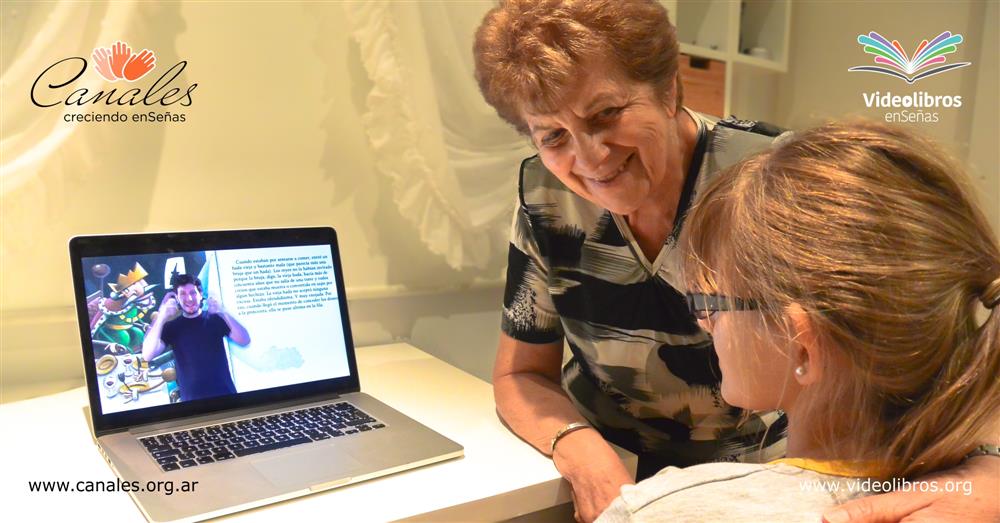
195, 336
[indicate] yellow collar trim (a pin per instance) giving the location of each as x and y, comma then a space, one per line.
832, 467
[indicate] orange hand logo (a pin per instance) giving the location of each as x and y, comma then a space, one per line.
119, 63
120, 54
139, 65
102, 62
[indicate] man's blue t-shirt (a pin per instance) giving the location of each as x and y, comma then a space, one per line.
201, 362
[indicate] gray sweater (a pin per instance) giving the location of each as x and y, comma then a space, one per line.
732, 492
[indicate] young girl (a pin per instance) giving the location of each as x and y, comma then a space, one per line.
846, 278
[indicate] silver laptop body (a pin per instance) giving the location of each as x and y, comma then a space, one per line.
130, 436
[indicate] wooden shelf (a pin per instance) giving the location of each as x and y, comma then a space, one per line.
760, 62
764, 25
704, 81
726, 31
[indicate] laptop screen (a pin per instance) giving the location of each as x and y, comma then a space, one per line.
168, 328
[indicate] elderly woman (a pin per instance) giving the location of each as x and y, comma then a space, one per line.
593, 258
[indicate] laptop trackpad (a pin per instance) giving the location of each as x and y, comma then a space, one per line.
307, 467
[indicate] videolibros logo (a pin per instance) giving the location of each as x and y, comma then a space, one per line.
910, 69
113, 64
925, 55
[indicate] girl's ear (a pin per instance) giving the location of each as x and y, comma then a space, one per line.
807, 355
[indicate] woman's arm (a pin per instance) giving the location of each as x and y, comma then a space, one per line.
973, 497
531, 402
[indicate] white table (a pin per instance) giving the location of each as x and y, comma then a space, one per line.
500, 477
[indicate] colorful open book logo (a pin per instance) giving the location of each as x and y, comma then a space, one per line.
118, 62
910, 68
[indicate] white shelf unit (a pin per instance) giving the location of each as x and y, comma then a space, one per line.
727, 31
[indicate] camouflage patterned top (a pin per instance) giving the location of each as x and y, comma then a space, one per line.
641, 370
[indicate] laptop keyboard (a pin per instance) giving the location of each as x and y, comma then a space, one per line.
204, 445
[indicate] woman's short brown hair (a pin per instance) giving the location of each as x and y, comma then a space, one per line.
528, 52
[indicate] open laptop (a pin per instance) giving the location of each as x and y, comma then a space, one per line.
248, 386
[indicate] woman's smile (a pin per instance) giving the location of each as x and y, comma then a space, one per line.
610, 179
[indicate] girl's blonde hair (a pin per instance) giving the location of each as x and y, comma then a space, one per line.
870, 230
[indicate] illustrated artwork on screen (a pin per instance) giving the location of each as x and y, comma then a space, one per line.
264, 290
120, 315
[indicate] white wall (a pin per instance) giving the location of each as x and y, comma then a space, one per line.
984, 155
824, 45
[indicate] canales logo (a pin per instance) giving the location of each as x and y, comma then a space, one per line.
908, 68
116, 63
928, 59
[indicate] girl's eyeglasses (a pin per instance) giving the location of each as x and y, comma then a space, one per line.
704, 306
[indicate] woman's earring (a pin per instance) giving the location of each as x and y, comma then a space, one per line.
800, 371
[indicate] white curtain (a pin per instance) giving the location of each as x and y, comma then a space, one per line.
32, 31
452, 161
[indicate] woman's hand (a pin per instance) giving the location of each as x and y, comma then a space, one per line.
532, 404
594, 471
976, 500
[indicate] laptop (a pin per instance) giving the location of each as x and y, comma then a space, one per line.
221, 370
